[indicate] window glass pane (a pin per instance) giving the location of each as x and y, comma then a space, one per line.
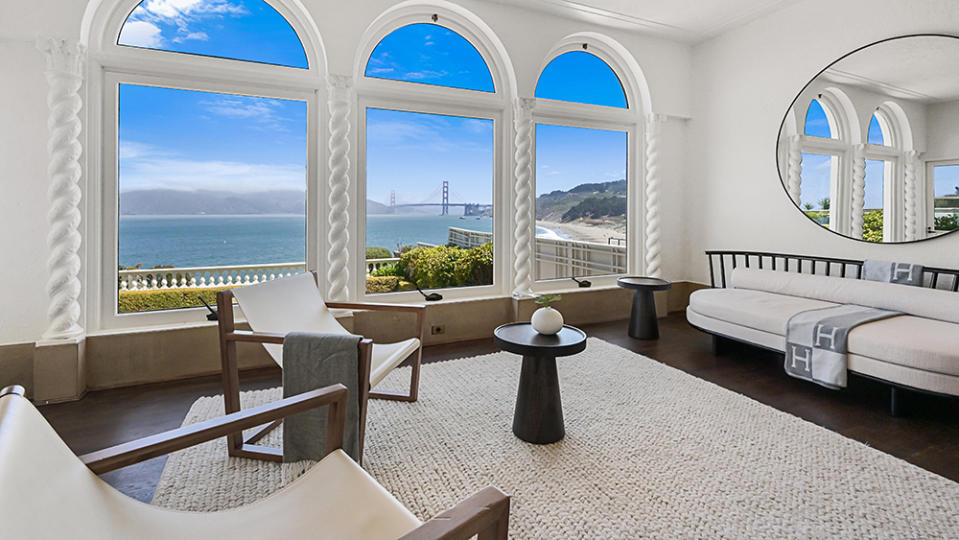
875, 132
581, 195
816, 186
239, 29
581, 77
206, 180
430, 54
946, 193
817, 124
872, 213
429, 195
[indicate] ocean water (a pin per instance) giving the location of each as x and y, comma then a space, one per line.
260, 239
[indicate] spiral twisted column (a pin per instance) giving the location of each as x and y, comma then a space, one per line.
522, 185
911, 195
653, 236
858, 195
64, 78
340, 91
794, 168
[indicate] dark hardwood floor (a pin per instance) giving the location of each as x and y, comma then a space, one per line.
927, 435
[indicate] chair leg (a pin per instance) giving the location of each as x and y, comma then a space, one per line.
414, 384
896, 406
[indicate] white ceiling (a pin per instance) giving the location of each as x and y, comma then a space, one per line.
686, 20
924, 69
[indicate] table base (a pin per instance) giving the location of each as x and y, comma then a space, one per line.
538, 417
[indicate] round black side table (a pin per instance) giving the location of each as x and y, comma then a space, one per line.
642, 318
538, 417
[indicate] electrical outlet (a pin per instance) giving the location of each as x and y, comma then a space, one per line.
437, 329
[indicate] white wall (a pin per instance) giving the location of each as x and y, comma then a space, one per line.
744, 81
942, 131
527, 36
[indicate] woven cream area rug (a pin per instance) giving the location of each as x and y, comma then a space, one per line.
649, 451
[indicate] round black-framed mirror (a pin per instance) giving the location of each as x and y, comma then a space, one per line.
869, 148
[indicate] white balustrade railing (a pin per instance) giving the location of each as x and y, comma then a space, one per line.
468, 239
205, 276
564, 258
375, 264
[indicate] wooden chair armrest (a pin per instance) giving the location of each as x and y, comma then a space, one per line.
160, 444
255, 337
485, 514
374, 306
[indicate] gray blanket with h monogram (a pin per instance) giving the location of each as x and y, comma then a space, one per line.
816, 342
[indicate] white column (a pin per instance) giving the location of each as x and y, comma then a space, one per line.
65, 77
524, 210
340, 91
794, 168
858, 192
653, 236
911, 196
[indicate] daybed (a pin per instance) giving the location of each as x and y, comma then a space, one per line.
759, 292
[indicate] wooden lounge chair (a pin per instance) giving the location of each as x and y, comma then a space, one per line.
47, 492
294, 304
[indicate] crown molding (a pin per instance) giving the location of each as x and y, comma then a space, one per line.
845, 77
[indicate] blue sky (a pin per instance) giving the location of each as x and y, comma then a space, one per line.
183, 139
946, 180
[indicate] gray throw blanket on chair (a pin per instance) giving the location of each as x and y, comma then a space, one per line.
816, 342
312, 361
892, 272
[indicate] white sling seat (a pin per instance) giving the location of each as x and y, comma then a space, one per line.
294, 304
46, 492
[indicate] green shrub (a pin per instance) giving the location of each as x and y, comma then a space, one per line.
392, 269
947, 222
872, 226
445, 266
381, 284
378, 253
152, 300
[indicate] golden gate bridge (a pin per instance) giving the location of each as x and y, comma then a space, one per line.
469, 209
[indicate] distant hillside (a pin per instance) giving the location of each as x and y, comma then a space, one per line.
590, 200
166, 202
374, 208
162, 202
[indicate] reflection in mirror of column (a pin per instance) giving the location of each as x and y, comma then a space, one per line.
868, 148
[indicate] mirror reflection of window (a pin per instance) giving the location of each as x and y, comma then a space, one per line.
876, 135
818, 175
945, 186
873, 215
818, 123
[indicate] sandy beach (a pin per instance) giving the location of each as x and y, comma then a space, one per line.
600, 233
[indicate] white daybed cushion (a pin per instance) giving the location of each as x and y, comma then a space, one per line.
760, 317
918, 301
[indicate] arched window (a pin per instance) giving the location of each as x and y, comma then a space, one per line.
876, 135
430, 173
208, 177
250, 30
582, 169
581, 77
818, 123
430, 54
820, 163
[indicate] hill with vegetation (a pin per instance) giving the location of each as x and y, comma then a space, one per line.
594, 200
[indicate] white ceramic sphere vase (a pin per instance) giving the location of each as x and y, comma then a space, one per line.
547, 321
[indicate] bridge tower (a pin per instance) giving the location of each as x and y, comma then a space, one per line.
393, 201
446, 199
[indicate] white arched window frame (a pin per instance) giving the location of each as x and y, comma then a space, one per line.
629, 120
842, 148
893, 184
376, 93
110, 65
